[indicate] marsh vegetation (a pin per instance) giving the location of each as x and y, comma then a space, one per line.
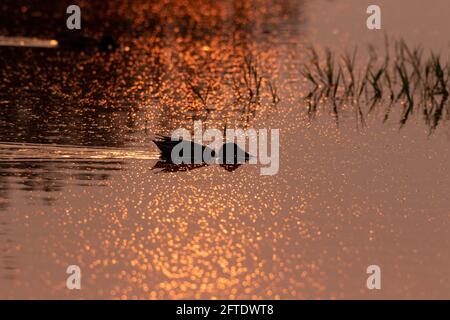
409, 78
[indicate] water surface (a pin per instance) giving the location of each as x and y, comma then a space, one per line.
80, 184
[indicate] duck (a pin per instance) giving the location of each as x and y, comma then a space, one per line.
79, 42
229, 153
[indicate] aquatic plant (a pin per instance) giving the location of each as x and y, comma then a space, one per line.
253, 87
408, 79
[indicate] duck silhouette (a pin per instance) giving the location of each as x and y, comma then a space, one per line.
80, 42
230, 156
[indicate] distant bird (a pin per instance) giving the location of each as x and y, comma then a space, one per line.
77, 41
229, 153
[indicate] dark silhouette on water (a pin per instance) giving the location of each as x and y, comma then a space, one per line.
166, 145
230, 155
77, 41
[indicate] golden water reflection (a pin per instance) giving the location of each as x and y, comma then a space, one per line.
344, 198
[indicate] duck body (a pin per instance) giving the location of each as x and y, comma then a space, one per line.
196, 151
231, 153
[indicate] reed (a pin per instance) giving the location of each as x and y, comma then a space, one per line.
403, 77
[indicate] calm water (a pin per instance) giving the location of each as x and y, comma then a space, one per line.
80, 181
